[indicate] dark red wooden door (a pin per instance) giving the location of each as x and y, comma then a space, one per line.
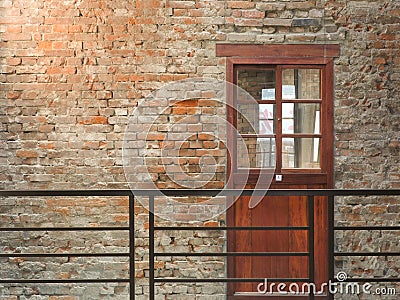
287, 130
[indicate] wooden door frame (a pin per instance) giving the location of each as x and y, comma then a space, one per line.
289, 54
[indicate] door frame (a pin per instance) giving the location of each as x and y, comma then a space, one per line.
289, 54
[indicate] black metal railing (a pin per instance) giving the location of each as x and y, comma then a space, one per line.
310, 194
77, 193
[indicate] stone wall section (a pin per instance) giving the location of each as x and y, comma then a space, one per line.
73, 71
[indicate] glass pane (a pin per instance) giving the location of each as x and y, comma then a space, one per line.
266, 114
301, 118
259, 83
256, 153
300, 153
301, 84
287, 126
256, 118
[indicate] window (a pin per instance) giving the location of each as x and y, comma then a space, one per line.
286, 115
289, 126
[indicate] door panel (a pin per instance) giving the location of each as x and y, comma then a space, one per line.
277, 211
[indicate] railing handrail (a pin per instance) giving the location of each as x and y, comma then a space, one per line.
202, 192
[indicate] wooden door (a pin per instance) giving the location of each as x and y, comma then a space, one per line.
287, 131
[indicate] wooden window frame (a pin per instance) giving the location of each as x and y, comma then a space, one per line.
290, 55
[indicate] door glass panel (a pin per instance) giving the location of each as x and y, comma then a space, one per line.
256, 152
259, 83
266, 114
254, 118
300, 118
300, 153
301, 84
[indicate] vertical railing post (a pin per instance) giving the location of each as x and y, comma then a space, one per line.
311, 259
151, 247
331, 240
132, 272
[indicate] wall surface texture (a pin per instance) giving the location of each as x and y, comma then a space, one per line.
73, 71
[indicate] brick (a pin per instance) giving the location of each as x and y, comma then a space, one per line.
276, 6
179, 110
13, 95
380, 60
205, 137
186, 103
45, 45
16, 36
75, 28
46, 128
60, 28
302, 5
210, 144
277, 22
41, 177
14, 29
149, 4
305, 22
253, 14
248, 22
155, 136
240, 4
181, 4
27, 153
14, 20
93, 120
47, 145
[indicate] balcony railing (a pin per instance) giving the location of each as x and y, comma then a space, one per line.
152, 194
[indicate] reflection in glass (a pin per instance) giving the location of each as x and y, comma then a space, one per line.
254, 118
266, 114
300, 153
301, 84
287, 125
259, 83
260, 153
300, 118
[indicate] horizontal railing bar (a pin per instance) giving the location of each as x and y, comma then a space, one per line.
62, 280
230, 228
366, 228
396, 280
366, 254
63, 254
61, 193
233, 254
211, 280
205, 192
112, 228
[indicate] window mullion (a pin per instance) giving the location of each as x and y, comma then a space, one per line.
278, 125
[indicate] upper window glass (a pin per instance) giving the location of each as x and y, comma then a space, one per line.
301, 84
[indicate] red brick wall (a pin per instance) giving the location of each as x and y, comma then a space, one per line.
73, 71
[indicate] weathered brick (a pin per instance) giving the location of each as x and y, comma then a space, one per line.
27, 153
297, 22
240, 4
16, 36
253, 14
93, 120
181, 4
277, 22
